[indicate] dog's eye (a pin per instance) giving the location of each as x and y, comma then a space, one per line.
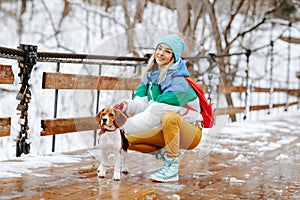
103, 114
111, 114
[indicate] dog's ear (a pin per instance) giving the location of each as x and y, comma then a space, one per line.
98, 117
120, 118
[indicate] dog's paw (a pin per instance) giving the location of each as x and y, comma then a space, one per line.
101, 172
101, 176
124, 168
116, 177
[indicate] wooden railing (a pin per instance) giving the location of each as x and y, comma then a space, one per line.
72, 81
6, 77
226, 89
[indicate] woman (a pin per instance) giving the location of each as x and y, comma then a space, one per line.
158, 119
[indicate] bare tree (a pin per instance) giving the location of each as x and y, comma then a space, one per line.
132, 17
225, 39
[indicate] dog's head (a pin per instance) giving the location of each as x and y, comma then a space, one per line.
110, 118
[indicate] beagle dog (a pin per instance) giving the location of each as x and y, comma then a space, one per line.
112, 141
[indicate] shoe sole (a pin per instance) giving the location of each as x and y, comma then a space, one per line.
157, 179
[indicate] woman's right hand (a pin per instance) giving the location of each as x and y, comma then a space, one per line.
121, 106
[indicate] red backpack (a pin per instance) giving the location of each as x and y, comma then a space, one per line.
206, 108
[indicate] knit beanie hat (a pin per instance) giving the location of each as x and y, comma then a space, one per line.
175, 42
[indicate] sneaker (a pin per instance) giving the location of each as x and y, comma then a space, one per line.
169, 172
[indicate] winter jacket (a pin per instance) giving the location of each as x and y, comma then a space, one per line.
153, 99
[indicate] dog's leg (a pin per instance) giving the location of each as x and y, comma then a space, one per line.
124, 162
117, 174
101, 171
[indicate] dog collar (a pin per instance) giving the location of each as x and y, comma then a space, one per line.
104, 130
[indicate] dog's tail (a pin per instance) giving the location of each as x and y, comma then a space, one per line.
125, 143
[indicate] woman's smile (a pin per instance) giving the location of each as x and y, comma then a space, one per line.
163, 55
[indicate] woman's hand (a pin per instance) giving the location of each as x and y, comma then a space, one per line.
122, 107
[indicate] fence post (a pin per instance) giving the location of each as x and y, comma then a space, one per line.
298, 76
55, 107
24, 96
97, 105
247, 107
271, 78
211, 61
288, 68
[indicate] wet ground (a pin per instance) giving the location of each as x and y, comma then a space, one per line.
255, 160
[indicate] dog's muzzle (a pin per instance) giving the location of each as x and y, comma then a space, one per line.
104, 121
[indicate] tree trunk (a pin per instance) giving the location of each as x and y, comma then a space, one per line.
221, 62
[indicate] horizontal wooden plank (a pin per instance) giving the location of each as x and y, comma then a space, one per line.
234, 110
281, 90
264, 107
5, 126
230, 88
295, 93
229, 111
226, 89
73, 81
259, 107
59, 126
88, 82
258, 89
284, 104
6, 74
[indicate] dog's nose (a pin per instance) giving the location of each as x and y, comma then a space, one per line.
104, 120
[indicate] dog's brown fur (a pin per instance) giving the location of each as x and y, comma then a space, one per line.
118, 119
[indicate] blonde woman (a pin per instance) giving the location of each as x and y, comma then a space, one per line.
158, 120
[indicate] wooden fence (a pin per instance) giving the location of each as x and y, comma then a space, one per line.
71, 81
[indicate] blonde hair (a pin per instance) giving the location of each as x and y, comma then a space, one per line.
163, 70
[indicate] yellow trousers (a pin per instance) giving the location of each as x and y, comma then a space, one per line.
176, 133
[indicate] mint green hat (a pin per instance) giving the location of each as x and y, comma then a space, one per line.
175, 42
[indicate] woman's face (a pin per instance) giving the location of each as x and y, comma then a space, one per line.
163, 55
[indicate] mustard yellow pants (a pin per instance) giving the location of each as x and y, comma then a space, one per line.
176, 133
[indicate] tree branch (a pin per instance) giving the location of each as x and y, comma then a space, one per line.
253, 27
232, 16
214, 26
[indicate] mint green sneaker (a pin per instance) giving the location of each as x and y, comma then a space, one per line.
169, 172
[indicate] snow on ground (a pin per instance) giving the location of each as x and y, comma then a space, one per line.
244, 140
25, 164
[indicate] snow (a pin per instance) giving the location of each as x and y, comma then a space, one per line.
282, 157
241, 158
25, 164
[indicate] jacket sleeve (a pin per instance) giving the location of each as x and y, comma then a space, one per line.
149, 118
141, 91
136, 105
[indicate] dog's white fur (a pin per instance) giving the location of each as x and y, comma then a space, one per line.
110, 142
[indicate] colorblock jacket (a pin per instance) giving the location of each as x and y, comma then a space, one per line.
151, 99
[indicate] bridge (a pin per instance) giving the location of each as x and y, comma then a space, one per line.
215, 172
